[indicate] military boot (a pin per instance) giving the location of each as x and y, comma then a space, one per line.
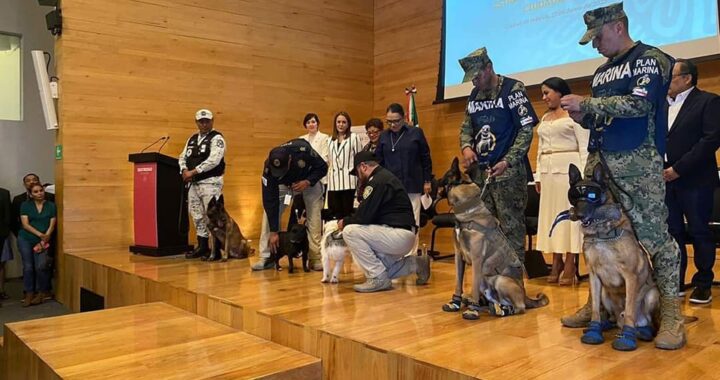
201, 250
581, 318
671, 335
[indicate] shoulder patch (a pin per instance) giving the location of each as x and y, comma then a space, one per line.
302, 149
366, 193
518, 86
219, 143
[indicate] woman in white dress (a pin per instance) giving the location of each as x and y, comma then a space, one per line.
562, 142
341, 152
318, 140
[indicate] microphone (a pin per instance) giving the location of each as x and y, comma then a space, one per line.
154, 142
164, 142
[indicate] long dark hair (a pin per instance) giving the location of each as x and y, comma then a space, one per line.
335, 131
558, 85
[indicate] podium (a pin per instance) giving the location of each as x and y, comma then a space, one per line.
159, 205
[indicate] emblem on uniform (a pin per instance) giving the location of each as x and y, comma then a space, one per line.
301, 164
522, 110
302, 149
485, 141
644, 80
202, 148
276, 162
366, 193
220, 144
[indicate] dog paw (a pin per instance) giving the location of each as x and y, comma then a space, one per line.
325, 280
334, 280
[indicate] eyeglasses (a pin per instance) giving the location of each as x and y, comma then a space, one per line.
393, 122
373, 132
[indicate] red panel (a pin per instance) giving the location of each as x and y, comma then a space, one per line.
145, 204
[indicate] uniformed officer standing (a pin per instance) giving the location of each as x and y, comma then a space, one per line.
202, 165
627, 118
382, 230
293, 167
496, 133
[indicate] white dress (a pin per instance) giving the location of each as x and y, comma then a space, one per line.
562, 142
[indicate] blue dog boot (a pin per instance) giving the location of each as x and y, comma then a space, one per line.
626, 340
605, 325
593, 333
645, 333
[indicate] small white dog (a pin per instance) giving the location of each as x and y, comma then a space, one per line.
332, 247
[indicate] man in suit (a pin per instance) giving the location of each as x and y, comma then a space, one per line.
691, 172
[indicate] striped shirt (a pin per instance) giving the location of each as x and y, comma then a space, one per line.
340, 162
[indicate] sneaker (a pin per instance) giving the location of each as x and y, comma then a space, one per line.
376, 284
263, 264
701, 296
423, 269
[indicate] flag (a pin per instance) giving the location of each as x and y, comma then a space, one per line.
411, 116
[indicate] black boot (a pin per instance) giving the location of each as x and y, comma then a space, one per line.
201, 250
215, 253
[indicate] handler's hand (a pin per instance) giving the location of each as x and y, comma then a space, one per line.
427, 188
187, 175
577, 116
537, 187
300, 186
498, 169
341, 224
469, 156
670, 174
274, 242
571, 103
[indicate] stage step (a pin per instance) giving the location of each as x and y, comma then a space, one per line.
146, 341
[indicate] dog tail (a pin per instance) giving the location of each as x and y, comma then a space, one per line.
539, 301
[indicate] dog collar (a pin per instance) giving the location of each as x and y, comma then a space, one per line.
612, 235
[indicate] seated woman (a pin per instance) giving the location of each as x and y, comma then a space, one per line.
562, 142
38, 217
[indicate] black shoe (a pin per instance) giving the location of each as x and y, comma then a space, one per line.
701, 295
201, 250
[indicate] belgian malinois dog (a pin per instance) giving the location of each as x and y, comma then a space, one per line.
620, 271
226, 233
497, 271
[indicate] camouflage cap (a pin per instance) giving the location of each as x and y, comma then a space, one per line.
598, 17
473, 63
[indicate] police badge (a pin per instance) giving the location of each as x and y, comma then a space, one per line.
276, 163
366, 193
301, 164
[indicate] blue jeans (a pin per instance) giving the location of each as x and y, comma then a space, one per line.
36, 274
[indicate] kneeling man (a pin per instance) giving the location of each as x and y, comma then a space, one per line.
382, 230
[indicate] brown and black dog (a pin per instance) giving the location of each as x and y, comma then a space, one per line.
497, 271
226, 233
620, 271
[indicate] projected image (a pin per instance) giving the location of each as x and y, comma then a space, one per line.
525, 38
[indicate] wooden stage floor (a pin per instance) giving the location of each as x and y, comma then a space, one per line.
398, 334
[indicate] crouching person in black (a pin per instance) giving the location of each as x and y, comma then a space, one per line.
291, 168
382, 230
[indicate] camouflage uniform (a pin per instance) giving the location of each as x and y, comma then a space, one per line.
498, 126
203, 189
627, 118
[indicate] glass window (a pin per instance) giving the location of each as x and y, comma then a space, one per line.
10, 77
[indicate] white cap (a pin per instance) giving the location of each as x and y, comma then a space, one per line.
203, 114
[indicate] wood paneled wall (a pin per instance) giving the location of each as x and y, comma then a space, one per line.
407, 51
131, 71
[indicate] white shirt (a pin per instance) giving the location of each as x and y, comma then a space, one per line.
676, 104
320, 143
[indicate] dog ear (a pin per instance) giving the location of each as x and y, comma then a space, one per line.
575, 175
599, 173
221, 199
211, 203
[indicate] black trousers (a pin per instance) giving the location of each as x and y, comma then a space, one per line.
694, 204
